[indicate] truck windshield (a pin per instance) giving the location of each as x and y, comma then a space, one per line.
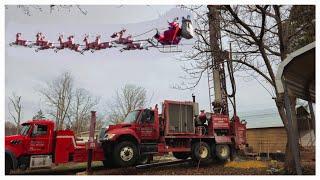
25, 129
131, 117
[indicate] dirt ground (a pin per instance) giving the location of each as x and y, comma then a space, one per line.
186, 169
229, 168
243, 167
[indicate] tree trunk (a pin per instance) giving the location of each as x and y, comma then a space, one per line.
18, 129
289, 160
289, 164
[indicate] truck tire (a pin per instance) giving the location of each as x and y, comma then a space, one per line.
125, 154
181, 155
8, 165
201, 152
223, 152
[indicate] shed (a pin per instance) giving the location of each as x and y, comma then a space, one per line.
267, 139
296, 79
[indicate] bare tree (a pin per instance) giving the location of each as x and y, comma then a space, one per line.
58, 97
10, 128
81, 106
260, 37
100, 121
15, 103
129, 98
39, 115
29, 9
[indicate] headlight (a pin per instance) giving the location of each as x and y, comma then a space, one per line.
109, 136
15, 142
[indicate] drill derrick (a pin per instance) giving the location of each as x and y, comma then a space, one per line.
216, 72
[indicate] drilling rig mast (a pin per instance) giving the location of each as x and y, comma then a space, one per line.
216, 72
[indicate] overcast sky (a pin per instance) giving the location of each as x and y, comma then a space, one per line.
103, 72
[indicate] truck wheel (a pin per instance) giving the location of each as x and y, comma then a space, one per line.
201, 152
8, 165
223, 152
125, 154
181, 155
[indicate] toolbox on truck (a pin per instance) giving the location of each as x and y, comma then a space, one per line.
180, 117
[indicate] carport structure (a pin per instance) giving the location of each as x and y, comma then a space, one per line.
296, 79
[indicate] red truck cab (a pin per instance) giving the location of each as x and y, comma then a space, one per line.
36, 137
143, 125
124, 143
39, 145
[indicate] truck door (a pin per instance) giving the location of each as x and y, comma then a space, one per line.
40, 141
147, 126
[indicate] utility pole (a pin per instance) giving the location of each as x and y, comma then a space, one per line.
91, 142
220, 104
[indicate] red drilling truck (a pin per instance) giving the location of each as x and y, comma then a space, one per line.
179, 129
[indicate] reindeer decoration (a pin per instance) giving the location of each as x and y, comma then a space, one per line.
88, 46
19, 41
128, 41
103, 45
67, 44
121, 39
96, 45
41, 42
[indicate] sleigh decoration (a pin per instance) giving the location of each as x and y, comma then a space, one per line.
167, 41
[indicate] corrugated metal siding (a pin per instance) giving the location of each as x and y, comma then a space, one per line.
264, 140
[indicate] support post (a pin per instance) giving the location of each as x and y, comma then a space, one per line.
91, 143
312, 116
292, 128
